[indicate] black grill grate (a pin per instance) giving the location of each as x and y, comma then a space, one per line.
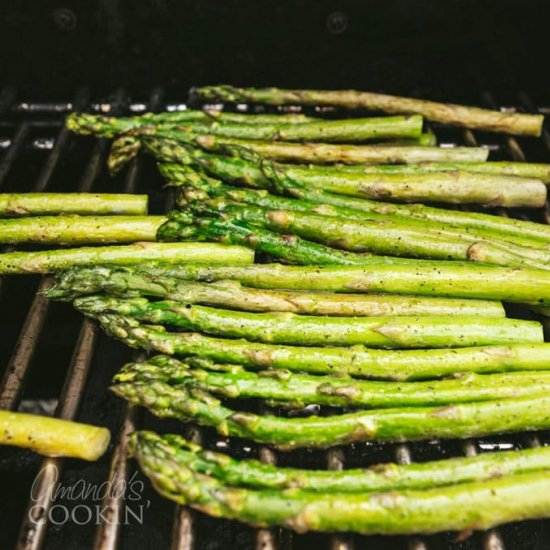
52, 356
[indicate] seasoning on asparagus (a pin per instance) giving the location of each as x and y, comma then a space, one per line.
449, 113
358, 361
458, 187
345, 130
80, 229
47, 261
393, 424
41, 204
174, 152
461, 507
405, 276
378, 478
231, 294
53, 436
299, 390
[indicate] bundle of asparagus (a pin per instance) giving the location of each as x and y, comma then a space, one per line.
457, 494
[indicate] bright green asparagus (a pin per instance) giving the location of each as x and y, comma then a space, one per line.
380, 477
299, 390
80, 229
290, 328
461, 507
231, 294
41, 204
393, 424
356, 361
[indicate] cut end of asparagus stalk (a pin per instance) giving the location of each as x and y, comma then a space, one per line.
53, 436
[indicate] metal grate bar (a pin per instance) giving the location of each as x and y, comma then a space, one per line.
35, 521
15, 145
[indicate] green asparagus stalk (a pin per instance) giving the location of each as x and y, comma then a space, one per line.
425, 139
300, 390
451, 187
80, 229
289, 248
422, 277
90, 124
449, 113
458, 187
170, 151
461, 507
393, 424
378, 237
535, 170
321, 153
47, 261
289, 328
378, 478
52, 436
345, 130
40, 204
194, 187
230, 294
361, 362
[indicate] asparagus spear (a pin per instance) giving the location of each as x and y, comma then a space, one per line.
449, 113
91, 124
230, 294
357, 361
379, 237
47, 261
53, 436
452, 187
170, 151
195, 187
380, 477
425, 139
462, 507
39, 204
535, 170
345, 130
393, 424
289, 328
458, 187
289, 248
406, 276
299, 390
80, 229
320, 153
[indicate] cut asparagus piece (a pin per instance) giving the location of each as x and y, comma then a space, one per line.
289, 248
321, 153
47, 261
231, 294
299, 390
289, 328
377, 478
228, 169
356, 361
406, 276
80, 229
449, 113
394, 424
52, 436
462, 507
40, 204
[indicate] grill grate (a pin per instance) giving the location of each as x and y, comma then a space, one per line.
50, 352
